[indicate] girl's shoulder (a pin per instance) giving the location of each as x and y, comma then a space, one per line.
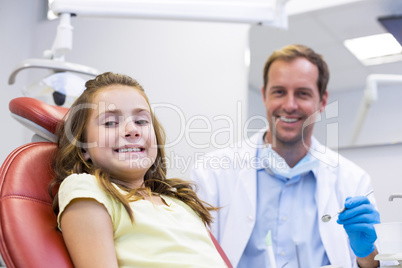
86, 186
82, 185
83, 176
79, 180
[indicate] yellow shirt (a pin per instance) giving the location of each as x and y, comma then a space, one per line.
161, 236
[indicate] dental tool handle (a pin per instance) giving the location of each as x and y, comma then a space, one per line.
369, 193
270, 249
344, 208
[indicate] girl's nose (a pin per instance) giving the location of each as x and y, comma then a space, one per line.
131, 130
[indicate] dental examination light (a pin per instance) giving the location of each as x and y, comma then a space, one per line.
61, 87
263, 12
267, 12
370, 96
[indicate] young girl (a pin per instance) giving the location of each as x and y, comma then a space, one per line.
115, 206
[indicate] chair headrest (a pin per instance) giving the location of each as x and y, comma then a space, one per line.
38, 116
29, 236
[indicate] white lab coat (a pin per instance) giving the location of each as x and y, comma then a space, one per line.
231, 185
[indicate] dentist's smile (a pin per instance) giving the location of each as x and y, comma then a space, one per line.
287, 119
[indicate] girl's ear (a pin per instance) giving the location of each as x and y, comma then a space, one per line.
86, 155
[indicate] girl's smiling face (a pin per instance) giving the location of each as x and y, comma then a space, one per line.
120, 134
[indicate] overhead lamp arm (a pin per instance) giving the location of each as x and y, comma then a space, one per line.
63, 43
57, 66
370, 96
55, 57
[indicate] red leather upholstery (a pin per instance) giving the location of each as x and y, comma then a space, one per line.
40, 113
28, 228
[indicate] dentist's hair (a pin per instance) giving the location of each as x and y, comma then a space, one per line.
71, 133
292, 52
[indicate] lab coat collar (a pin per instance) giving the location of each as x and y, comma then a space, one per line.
248, 147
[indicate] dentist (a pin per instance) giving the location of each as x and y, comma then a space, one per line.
282, 180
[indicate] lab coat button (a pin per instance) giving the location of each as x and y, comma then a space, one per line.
283, 253
284, 218
250, 217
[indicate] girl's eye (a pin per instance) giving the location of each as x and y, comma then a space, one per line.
141, 122
110, 123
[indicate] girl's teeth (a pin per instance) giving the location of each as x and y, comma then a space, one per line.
127, 150
288, 120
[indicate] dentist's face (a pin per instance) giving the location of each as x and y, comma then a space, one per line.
292, 101
121, 129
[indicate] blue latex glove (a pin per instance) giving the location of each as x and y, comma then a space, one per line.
358, 220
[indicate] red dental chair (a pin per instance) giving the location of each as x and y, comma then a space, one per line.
29, 236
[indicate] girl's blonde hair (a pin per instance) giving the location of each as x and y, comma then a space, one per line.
71, 133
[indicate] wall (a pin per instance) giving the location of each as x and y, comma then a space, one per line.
16, 45
383, 164
379, 147
381, 123
191, 71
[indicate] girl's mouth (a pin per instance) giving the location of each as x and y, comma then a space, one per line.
130, 150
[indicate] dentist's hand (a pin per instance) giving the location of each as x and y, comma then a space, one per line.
358, 220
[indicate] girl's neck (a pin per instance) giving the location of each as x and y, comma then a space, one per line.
129, 185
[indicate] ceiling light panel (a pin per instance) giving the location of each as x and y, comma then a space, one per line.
375, 49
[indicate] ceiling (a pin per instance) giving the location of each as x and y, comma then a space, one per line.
324, 30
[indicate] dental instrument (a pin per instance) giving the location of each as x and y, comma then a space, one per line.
270, 249
297, 255
327, 217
